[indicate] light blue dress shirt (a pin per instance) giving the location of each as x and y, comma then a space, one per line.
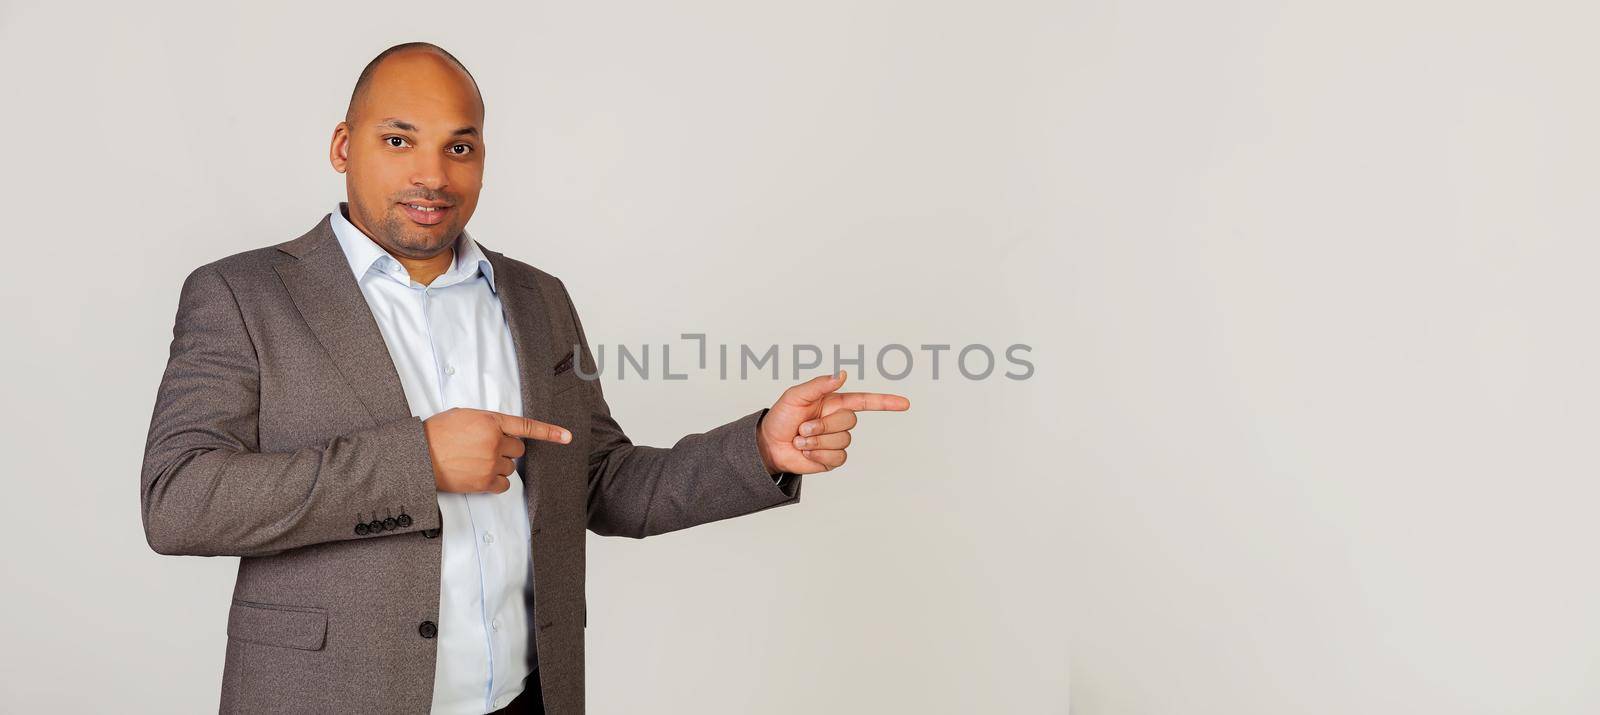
452, 348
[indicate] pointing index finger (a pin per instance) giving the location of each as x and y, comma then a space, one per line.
518, 426
868, 401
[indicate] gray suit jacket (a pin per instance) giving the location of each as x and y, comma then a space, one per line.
281, 425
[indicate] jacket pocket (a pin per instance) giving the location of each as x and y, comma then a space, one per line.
284, 626
560, 384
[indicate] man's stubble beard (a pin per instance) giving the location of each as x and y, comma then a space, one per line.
396, 233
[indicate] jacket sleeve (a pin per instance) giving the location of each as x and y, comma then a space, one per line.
638, 491
207, 490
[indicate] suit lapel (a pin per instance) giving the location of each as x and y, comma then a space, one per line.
528, 316
331, 302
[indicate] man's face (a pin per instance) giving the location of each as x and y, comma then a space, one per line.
412, 153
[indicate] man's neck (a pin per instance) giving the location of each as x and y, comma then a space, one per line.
425, 270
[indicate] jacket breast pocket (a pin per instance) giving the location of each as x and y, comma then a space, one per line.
285, 626
561, 384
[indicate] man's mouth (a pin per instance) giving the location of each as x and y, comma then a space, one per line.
426, 213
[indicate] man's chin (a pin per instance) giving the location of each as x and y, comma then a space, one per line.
420, 244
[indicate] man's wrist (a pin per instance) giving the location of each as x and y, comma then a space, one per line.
766, 458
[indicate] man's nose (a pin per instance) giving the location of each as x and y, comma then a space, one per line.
428, 172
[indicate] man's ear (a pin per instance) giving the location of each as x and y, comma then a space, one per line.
339, 148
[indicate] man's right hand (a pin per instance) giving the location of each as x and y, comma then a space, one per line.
476, 450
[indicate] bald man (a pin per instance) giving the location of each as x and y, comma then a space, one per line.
391, 425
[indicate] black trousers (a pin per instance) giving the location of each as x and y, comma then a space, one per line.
530, 702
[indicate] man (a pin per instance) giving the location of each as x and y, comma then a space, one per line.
389, 424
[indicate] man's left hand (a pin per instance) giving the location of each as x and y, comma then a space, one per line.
808, 429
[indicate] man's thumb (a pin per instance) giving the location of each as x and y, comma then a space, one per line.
818, 387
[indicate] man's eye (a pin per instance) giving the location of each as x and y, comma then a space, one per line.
395, 142
466, 147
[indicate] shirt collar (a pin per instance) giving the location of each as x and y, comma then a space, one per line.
362, 252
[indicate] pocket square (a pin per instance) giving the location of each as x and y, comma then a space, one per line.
564, 365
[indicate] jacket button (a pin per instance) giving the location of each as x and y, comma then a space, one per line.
430, 533
404, 520
427, 629
374, 526
390, 523
361, 529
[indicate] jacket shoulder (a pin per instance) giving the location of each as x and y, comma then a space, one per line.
247, 267
546, 282
255, 259
261, 263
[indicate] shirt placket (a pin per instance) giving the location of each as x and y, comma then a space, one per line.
452, 355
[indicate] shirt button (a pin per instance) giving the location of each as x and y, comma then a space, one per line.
496, 624
488, 538
450, 370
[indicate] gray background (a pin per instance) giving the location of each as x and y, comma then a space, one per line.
1309, 287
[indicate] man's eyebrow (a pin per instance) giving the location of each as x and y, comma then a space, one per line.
405, 126
402, 125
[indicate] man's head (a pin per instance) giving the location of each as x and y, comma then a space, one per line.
412, 137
